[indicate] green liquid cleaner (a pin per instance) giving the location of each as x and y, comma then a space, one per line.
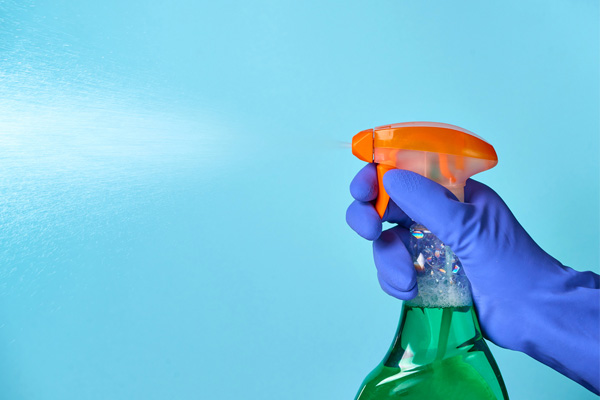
438, 353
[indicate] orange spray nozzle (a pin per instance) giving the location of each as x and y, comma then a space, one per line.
362, 145
443, 153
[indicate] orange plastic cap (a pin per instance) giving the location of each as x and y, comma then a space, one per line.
362, 145
446, 154
433, 137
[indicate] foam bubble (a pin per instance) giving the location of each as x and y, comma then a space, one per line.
442, 291
440, 277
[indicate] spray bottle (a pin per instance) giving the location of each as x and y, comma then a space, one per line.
438, 351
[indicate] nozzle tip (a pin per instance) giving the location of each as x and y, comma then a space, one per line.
362, 145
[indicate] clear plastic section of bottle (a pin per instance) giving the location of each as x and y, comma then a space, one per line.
438, 351
440, 277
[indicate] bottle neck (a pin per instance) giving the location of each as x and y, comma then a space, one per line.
441, 279
458, 191
426, 335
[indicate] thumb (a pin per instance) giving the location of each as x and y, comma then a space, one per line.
432, 205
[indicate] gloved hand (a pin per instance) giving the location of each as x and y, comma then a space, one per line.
525, 299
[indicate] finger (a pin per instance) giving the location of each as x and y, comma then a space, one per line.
478, 193
387, 288
395, 270
364, 185
396, 215
364, 220
430, 204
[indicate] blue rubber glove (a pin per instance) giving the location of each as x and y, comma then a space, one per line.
525, 299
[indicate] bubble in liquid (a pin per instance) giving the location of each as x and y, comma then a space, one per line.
418, 234
420, 263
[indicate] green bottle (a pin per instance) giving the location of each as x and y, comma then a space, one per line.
438, 351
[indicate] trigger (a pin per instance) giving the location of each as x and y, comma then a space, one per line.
383, 197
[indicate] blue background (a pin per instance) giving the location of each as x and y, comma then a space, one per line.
173, 184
